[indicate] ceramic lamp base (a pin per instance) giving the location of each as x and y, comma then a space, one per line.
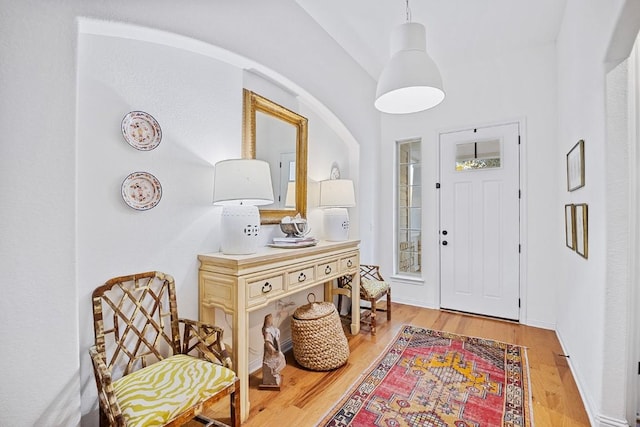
336, 224
240, 226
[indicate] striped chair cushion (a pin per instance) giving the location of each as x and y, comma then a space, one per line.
154, 395
373, 288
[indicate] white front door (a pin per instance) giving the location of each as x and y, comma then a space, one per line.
479, 221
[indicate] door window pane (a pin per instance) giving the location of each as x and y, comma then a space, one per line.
409, 208
478, 155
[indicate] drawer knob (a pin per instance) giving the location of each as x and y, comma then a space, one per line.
327, 269
349, 263
302, 277
266, 287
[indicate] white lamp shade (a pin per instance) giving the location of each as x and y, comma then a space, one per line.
337, 193
242, 181
411, 81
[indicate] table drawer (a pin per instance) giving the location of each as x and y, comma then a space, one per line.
349, 263
301, 277
260, 290
328, 269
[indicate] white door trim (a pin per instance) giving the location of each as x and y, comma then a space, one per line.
522, 129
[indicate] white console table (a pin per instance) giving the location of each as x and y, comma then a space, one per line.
240, 284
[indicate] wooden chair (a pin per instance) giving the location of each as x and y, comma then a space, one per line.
372, 289
152, 368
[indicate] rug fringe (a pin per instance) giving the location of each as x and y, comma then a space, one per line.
528, 377
471, 336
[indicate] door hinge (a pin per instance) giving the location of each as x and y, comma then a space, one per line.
519, 194
519, 248
437, 185
518, 139
518, 302
638, 368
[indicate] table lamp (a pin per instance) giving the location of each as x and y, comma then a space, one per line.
239, 186
336, 195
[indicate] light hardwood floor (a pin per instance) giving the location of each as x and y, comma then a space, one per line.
307, 396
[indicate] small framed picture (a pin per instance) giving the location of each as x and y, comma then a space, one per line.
575, 167
570, 226
582, 229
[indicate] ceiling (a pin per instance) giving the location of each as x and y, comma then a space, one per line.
457, 30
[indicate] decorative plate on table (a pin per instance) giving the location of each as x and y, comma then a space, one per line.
141, 130
141, 191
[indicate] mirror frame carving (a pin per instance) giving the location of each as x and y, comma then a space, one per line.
252, 103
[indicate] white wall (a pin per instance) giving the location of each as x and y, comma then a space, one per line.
45, 223
515, 86
580, 83
39, 328
593, 317
620, 218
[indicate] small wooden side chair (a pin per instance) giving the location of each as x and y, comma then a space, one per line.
372, 289
152, 368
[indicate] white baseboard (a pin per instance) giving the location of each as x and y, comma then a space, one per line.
412, 302
595, 418
605, 421
540, 324
588, 406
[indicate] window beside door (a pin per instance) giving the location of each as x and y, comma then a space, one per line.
409, 208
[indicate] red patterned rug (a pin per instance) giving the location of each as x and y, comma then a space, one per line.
438, 379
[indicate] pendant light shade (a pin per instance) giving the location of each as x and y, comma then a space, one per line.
411, 81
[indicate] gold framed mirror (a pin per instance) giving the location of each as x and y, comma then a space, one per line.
277, 135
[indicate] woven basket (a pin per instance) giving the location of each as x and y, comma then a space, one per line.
319, 342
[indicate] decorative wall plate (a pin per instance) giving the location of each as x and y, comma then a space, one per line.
141, 130
141, 191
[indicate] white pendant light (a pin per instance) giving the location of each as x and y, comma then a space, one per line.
410, 82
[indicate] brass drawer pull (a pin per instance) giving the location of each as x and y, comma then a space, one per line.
327, 269
266, 288
302, 277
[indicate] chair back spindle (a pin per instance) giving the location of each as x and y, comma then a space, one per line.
136, 321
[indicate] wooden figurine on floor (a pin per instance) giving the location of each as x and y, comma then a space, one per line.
273, 360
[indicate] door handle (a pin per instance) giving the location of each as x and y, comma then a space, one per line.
444, 232
444, 243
